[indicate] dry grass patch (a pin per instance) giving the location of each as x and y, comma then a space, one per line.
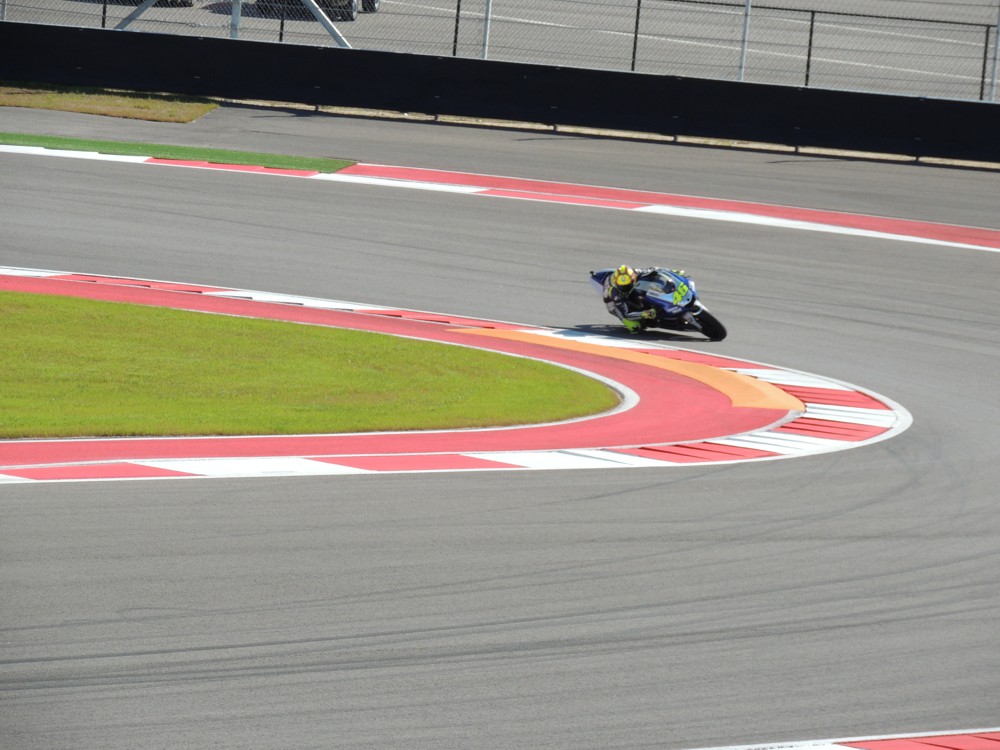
96, 101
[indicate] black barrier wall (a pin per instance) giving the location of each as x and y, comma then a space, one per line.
668, 105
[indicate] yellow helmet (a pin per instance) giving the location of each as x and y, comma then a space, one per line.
623, 279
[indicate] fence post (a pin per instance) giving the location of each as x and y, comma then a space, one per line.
234, 22
486, 28
746, 39
996, 54
635, 34
458, 15
986, 60
809, 49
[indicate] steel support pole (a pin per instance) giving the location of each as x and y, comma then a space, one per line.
127, 21
996, 55
986, 60
458, 17
746, 40
326, 23
809, 49
486, 28
234, 19
635, 34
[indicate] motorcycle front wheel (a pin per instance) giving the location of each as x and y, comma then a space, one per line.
710, 326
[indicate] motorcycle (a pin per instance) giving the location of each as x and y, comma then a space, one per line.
674, 299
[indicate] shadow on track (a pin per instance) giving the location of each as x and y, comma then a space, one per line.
619, 332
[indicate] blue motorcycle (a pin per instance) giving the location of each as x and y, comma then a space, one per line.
675, 301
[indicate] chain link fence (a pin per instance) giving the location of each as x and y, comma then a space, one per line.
933, 48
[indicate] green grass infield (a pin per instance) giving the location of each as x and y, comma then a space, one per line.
183, 153
73, 368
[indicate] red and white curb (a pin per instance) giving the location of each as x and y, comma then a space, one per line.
714, 209
721, 410
968, 739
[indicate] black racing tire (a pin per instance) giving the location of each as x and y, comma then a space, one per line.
370, 6
712, 329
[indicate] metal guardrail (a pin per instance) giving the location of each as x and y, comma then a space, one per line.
944, 49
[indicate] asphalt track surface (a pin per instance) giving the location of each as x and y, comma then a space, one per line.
838, 595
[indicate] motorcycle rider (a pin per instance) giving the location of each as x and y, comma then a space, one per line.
623, 301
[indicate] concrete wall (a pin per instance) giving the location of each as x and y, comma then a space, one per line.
669, 105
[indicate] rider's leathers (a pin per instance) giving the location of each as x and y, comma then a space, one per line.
627, 306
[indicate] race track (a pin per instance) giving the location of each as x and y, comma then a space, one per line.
845, 594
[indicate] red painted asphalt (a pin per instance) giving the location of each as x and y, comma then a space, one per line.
976, 741
671, 408
626, 198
